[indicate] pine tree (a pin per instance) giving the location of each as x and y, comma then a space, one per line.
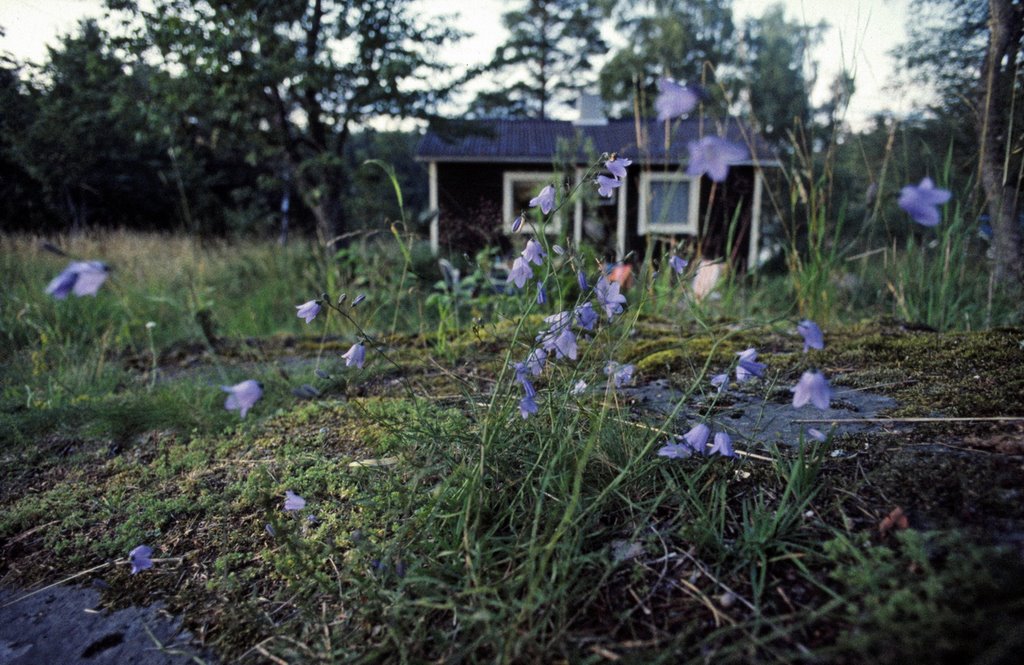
547, 58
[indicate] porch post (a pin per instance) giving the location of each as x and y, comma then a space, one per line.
577, 217
434, 210
755, 222
620, 222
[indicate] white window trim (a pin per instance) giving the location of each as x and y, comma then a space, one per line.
435, 221
554, 226
691, 227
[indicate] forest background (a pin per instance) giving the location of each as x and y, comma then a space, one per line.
246, 118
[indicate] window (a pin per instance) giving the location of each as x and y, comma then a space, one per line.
669, 203
519, 188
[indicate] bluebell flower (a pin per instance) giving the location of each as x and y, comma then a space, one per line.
747, 367
678, 264
617, 166
579, 388
565, 344
517, 224
242, 396
816, 434
697, 437
308, 310
542, 294
556, 322
521, 272
713, 155
293, 501
523, 378
675, 100
559, 337
356, 355
535, 361
61, 285
546, 200
813, 337
586, 317
362, 296
813, 388
139, 558
527, 406
720, 381
534, 252
722, 446
606, 186
608, 297
621, 375
675, 450
922, 202
82, 278
558, 249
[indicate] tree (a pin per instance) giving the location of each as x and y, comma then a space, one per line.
292, 79
777, 72
87, 140
970, 52
691, 40
547, 58
20, 195
999, 71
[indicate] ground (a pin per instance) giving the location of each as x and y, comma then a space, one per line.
439, 526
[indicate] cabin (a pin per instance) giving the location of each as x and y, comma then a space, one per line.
483, 173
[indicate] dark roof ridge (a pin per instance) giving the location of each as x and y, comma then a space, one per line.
535, 140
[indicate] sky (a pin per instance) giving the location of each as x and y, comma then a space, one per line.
862, 33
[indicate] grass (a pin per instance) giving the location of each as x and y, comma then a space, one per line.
440, 526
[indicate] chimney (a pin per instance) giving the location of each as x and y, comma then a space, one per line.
590, 111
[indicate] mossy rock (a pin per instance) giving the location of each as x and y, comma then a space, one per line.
975, 374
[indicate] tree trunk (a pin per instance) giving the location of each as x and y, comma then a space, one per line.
326, 208
1006, 26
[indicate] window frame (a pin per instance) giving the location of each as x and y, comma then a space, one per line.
692, 224
541, 178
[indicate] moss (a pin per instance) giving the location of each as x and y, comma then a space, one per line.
956, 374
928, 598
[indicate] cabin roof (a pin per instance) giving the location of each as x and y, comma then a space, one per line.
527, 141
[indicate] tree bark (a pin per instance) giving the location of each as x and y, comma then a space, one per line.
1006, 27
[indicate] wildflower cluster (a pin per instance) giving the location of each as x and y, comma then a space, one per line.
812, 388
559, 337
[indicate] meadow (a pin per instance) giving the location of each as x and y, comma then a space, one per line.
443, 520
